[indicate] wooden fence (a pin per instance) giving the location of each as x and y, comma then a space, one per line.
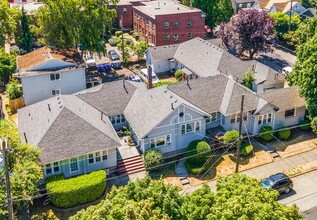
15, 104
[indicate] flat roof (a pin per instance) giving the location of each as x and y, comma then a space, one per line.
164, 7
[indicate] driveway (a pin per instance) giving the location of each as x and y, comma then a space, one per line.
304, 194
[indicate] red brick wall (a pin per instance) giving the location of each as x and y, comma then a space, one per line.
156, 35
127, 17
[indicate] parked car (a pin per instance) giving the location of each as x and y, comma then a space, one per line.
144, 76
89, 60
280, 182
113, 55
134, 78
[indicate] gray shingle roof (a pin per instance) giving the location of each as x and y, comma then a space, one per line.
213, 94
284, 99
70, 128
163, 52
111, 99
147, 108
197, 49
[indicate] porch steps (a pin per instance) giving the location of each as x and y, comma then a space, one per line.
130, 165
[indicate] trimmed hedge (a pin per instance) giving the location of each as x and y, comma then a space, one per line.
113, 41
197, 154
266, 133
304, 125
246, 149
284, 134
230, 136
198, 151
152, 158
65, 193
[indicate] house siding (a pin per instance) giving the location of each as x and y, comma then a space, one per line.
281, 121
39, 87
172, 125
265, 87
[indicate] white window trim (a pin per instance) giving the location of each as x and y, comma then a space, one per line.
194, 130
70, 165
212, 119
52, 168
166, 24
94, 157
262, 119
292, 115
59, 92
60, 76
176, 37
115, 121
237, 117
165, 141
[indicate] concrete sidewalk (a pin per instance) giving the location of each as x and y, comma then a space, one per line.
279, 165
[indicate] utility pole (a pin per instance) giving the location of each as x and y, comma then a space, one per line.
240, 134
7, 177
122, 47
290, 16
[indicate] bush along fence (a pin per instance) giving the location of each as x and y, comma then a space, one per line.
66, 193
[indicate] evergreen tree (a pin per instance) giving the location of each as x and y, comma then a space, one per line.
27, 37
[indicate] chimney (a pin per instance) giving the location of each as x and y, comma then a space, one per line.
149, 77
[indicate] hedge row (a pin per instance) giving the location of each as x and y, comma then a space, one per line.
75, 191
267, 133
198, 152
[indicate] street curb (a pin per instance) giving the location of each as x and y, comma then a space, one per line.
299, 174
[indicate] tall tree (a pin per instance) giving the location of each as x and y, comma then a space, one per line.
68, 23
8, 21
281, 21
26, 38
7, 65
304, 73
25, 171
236, 198
249, 32
216, 11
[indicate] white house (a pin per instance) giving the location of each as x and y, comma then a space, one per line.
48, 72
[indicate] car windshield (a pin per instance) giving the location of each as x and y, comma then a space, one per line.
267, 183
154, 77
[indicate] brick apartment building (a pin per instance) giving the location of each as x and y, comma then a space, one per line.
167, 22
124, 10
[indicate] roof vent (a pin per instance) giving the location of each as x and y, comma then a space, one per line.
178, 8
25, 139
49, 107
29, 114
172, 106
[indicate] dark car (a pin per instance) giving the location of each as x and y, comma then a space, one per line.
280, 182
113, 55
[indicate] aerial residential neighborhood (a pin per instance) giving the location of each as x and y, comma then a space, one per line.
163, 109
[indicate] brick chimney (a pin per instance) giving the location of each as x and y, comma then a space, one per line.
149, 77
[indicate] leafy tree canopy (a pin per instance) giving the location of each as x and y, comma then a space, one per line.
24, 168
237, 197
68, 23
7, 65
248, 79
249, 32
8, 21
216, 11
140, 48
27, 36
282, 23
14, 89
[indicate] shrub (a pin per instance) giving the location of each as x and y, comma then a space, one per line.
179, 74
313, 125
284, 134
14, 89
198, 152
152, 158
162, 83
75, 191
118, 33
230, 136
266, 133
113, 41
304, 125
194, 168
246, 149
136, 36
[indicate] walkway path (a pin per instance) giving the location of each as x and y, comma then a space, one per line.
279, 165
181, 173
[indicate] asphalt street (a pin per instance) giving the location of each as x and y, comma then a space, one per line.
304, 194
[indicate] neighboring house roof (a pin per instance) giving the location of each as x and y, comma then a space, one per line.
46, 59
309, 12
110, 98
197, 49
266, 75
244, 1
147, 108
154, 8
263, 3
65, 127
282, 6
163, 52
284, 99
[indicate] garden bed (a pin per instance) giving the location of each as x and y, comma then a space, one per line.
225, 165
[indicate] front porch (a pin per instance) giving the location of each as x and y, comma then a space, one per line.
214, 135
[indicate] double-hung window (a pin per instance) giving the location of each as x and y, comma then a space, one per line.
175, 37
176, 24
56, 92
97, 157
166, 37
190, 127
264, 119
189, 23
52, 168
166, 25
117, 119
55, 76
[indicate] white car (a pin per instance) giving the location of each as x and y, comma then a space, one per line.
90, 61
134, 78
